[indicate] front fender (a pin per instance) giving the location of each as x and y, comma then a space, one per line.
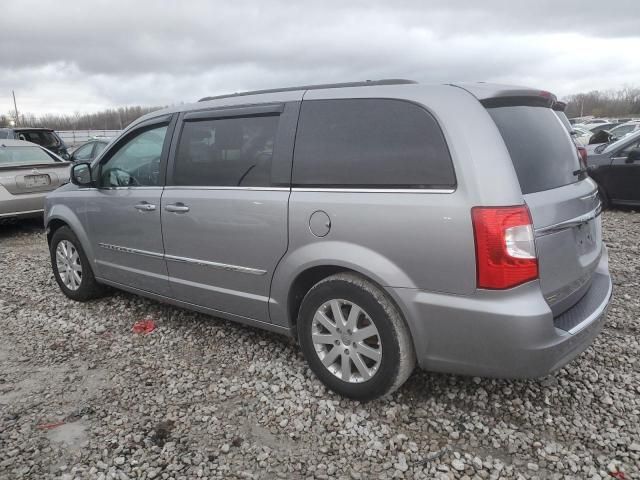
350, 256
67, 215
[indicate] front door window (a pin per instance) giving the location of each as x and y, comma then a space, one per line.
137, 162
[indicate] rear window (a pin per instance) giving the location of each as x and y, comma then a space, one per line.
41, 137
370, 143
541, 150
23, 156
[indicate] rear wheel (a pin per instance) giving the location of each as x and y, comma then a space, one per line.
71, 267
604, 198
354, 338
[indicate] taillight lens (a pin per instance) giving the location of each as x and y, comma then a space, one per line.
505, 248
583, 156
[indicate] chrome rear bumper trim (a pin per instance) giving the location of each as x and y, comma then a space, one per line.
567, 224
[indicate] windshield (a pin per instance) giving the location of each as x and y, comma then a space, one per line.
622, 130
541, 150
609, 147
23, 156
6, 133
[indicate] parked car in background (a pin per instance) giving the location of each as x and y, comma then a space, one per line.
595, 128
624, 129
45, 137
581, 134
89, 150
595, 121
373, 221
616, 169
27, 173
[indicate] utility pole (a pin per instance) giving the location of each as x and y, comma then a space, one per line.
15, 106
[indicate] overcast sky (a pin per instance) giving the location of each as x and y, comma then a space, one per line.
85, 55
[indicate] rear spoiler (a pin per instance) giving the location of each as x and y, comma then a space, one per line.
543, 99
34, 165
492, 95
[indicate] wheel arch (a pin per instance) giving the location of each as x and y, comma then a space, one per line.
62, 216
293, 278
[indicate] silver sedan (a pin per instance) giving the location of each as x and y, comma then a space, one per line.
27, 173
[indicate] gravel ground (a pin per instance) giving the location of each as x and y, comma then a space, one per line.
81, 396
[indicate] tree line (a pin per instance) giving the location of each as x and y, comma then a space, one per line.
607, 103
110, 119
599, 103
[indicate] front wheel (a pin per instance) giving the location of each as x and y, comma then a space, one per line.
71, 267
354, 338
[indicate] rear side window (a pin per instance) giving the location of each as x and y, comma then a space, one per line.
541, 150
370, 143
226, 152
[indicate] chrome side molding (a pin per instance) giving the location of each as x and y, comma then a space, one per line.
193, 261
220, 266
133, 251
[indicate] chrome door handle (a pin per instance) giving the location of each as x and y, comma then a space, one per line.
177, 208
145, 207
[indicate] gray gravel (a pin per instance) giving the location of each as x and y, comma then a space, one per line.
81, 396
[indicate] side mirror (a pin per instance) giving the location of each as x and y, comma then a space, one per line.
81, 174
634, 156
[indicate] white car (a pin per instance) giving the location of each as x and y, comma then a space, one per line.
582, 134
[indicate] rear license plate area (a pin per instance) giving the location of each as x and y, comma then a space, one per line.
31, 181
585, 235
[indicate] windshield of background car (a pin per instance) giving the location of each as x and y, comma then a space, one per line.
6, 134
623, 141
622, 130
23, 156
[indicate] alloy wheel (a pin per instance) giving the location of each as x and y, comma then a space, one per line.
69, 265
346, 341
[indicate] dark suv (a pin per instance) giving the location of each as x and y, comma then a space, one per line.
45, 137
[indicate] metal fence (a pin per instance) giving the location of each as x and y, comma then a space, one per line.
76, 137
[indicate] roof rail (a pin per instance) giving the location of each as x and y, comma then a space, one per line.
366, 83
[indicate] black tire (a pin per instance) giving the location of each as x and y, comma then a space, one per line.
604, 198
398, 356
88, 288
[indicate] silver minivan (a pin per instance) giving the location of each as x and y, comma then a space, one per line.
382, 224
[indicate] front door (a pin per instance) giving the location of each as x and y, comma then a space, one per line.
224, 211
123, 213
624, 176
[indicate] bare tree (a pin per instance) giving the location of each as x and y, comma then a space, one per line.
608, 103
110, 119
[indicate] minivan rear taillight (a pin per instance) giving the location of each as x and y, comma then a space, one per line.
582, 152
505, 248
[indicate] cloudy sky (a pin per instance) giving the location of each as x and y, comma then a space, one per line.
85, 55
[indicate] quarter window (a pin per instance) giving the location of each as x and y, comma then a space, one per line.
374, 143
226, 152
137, 162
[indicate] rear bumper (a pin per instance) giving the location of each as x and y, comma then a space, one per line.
510, 334
23, 205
